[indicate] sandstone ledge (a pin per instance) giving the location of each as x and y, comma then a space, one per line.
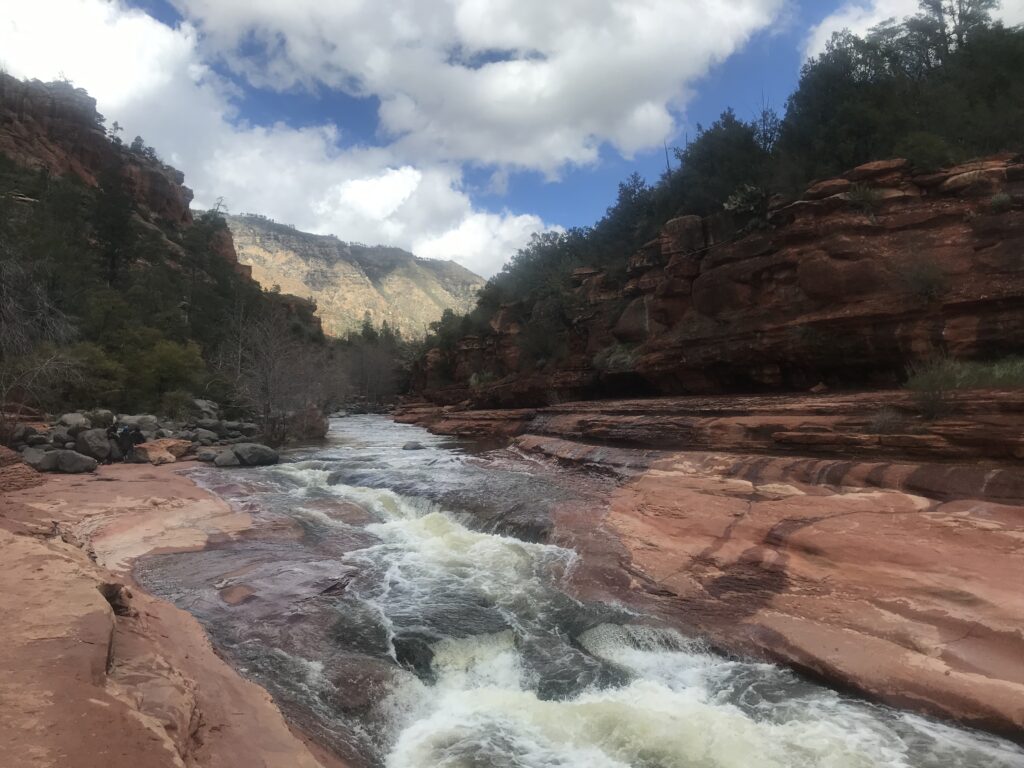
873, 576
101, 675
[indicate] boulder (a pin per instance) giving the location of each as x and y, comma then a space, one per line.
205, 434
163, 451
73, 463
36, 440
75, 421
249, 429
60, 436
94, 443
412, 445
207, 409
211, 425
100, 417
226, 459
255, 455
146, 422
208, 454
39, 460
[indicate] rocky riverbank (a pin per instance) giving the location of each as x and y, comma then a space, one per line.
890, 571
96, 671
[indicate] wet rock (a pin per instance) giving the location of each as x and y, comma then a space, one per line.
255, 455
413, 650
412, 445
94, 443
207, 454
226, 459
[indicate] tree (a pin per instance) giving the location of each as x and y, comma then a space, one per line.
31, 332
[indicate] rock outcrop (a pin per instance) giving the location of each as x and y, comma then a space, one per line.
846, 286
348, 280
55, 127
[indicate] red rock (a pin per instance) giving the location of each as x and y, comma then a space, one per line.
164, 451
877, 169
827, 188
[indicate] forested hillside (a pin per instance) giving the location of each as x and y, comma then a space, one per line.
112, 294
935, 90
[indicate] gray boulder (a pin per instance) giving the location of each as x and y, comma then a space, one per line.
211, 425
36, 440
73, 463
226, 459
206, 409
412, 445
208, 454
249, 429
146, 422
100, 417
205, 434
60, 436
255, 455
39, 460
94, 443
75, 421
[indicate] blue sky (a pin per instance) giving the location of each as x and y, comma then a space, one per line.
452, 128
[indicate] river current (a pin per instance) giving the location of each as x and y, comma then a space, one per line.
384, 599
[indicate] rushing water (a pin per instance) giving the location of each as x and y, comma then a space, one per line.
383, 602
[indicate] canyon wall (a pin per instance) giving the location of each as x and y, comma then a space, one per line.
845, 286
54, 127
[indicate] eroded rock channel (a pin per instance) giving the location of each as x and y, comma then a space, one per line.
421, 608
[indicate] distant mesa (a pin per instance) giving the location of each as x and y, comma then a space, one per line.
349, 280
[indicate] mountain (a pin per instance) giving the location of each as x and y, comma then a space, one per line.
348, 280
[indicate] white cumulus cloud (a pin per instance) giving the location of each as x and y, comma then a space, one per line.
521, 83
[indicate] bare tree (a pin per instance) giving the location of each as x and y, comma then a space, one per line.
31, 330
284, 379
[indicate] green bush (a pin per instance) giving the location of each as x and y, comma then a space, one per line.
888, 421
933, 380
925, 280
926, 152
1000, 203
864, 198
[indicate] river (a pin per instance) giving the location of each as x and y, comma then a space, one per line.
385, 601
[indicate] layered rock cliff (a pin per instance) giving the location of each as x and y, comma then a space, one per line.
348, 280
862, 275
54, 127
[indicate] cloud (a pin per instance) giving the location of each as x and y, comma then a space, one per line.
862, 15
502, 85
521, 83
